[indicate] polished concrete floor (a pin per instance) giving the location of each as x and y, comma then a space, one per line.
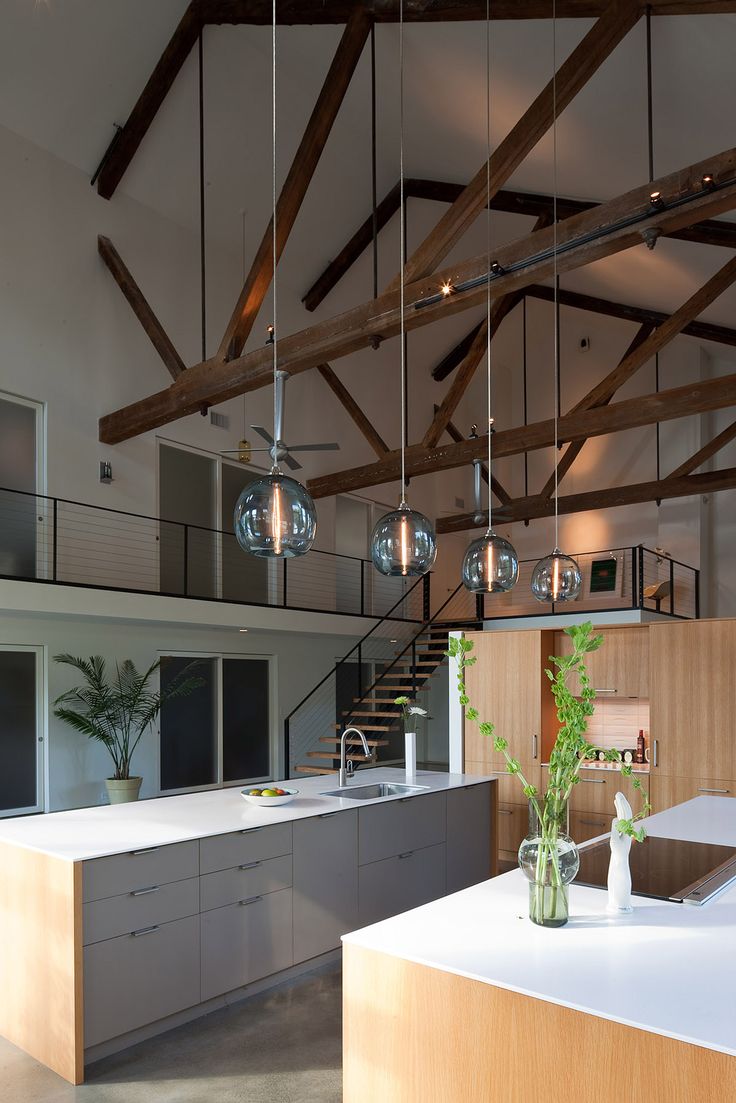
283, 1046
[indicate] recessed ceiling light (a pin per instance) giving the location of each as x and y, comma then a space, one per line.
393, 641
242, 630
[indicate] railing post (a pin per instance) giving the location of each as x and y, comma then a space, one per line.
287, 750
55, 551
634, 596
697, 595
186, 560
672, 587
360, 670
641, 576
285, 584
362, 586
480, 606
426, 597
414, 665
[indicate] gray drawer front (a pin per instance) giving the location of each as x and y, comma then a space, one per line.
397, 884
143, 907
325, 882
396, 826
240, 847
468, 836
228, 886
131, 981
121, 873
243, 942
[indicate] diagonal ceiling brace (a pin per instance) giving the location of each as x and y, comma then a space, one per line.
366, 427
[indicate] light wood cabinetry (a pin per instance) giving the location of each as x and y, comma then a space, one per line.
620, 667
676, 790
596, 790
693, 699
513, 825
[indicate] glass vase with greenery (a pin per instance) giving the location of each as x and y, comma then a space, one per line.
548, 856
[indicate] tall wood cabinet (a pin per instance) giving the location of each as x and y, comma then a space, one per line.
620, 667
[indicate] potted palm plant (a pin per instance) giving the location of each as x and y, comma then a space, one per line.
116, 712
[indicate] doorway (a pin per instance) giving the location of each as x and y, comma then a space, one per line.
22, 515
21, 730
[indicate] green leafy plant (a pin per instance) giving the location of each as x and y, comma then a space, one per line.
116, 712
571, 746
409, 709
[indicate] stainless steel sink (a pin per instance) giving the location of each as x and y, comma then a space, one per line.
378, 789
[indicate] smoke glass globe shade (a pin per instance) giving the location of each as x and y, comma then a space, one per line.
556, 578
403, 543
491, 565
275, 518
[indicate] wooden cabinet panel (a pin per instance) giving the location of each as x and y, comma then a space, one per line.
620, 667
596, 790
240, 847
325, 882
588, 825
468, 836
693, 698
144, 907
513, 826
400, 825
137, 979
243, 942
505, 686
138, 869
399, 883
676, 790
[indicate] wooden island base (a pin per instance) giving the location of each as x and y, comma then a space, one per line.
414, 1034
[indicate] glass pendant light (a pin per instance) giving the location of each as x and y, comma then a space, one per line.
491, 564
275, 517
556, 577
403, 541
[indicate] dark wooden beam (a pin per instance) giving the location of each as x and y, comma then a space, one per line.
339, 389
582, 239
140, 307
527, 509
600, 41
498, 489
706, 452
631, 414
572, 451
300, 12
295, 186
456, 355
149, 101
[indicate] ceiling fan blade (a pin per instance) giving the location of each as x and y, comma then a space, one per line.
333, 447
263, 433
293, 464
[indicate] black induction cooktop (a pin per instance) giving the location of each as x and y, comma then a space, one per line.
665, 869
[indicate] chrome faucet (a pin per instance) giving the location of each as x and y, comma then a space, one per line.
346, 768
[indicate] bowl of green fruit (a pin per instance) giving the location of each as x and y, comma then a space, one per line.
269, 795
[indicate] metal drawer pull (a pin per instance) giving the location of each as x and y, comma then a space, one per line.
326, 815
145, 850
505, 812
250, 830
407, 854
605, 691
593, 780
250, 865
593, 823
704, 790
250, 900
144, 930
534, 746
655, 755
145, 892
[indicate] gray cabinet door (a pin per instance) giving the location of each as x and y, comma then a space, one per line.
139, 869
395, 826
245, 941
146, 907
139, 978
237, 848
325, 882
230, 886
468, 836
397, 884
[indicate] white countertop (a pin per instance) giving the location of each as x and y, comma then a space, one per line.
667, 968
85, 833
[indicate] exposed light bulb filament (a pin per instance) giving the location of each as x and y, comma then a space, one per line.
276, 519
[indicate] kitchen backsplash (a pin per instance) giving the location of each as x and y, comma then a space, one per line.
617, 723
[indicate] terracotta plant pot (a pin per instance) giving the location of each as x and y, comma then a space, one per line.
123, 791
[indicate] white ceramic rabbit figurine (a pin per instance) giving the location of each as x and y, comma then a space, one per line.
619, 874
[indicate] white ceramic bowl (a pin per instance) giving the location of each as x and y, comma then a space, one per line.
269, 802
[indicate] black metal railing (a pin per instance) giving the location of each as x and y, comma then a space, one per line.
46, 539
386, 655
643, 579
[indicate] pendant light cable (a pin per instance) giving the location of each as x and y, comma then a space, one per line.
273, 199
402, 246
650, 151
202, 253
556, 284
488, 253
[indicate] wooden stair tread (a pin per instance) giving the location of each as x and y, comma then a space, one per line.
336, 754
315, 770
365, 727
370, 742
373, 712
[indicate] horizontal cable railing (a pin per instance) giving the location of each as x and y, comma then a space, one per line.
44, 539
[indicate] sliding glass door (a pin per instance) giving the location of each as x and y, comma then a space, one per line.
21, 730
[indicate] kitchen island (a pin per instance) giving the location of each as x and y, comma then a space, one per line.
468, 1000
118, 922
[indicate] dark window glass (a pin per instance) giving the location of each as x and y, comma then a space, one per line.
18, 738
245, 719
189, 727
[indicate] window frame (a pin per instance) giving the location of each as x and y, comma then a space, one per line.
274, 749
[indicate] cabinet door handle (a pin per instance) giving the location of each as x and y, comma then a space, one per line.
406, 854
250, 830
144, 930
326, 815
504, 812
534, 746
593, 823
250, 900
250, 865
593, 780
605, 691
144, 850
702, 789
655, 753
145, 892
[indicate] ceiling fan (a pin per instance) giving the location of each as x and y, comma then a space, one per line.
278, 450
